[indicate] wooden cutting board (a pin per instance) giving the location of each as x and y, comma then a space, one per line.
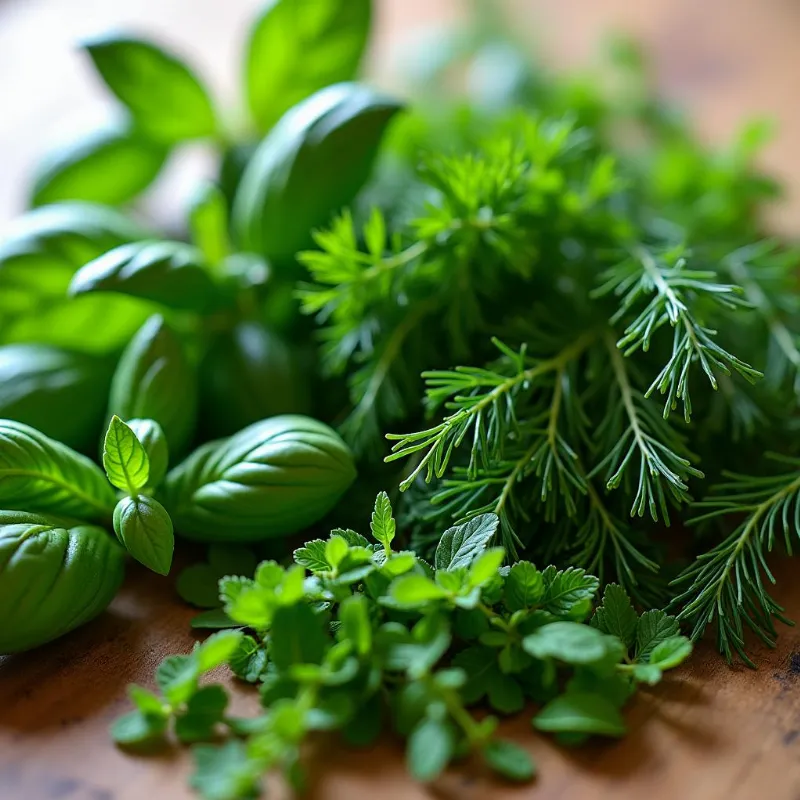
708, 732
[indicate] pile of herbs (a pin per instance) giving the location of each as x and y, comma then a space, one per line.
541, 311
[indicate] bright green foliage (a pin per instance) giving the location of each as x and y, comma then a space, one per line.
144, 527
372, 634
125, 460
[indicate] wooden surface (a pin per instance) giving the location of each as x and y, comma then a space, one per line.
709, 732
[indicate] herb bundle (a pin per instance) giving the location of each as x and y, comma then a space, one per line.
545, 315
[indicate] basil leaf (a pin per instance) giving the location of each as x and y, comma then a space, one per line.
271, 479
40, 474
154, 380
108, 166
60, 393
152, 438
44, 247
170, 273
144, 527
249, 374
165, 98
296, 48
208, 221
55, 575
311, 164
124, 458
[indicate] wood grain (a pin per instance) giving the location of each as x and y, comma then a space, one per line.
708, 732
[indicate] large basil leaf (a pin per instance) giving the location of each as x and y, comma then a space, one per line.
108, 166
40, 474
249, 374
271, 479
144, 527
170, 273
297, 47
155, 380
58, 392
55, 574
312, 163
165, 97
44, 248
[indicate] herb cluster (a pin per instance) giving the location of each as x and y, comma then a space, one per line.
357, 637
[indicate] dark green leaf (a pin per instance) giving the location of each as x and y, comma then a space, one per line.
568, 591
297, 637
215, 619
144, 527
109, 167
383, 525
154, 380
505, 694
171, 273
509, 760
616, 615
572, 643
460, 545
576, 712
199, 586
205, 709
165, 98
250, 660
294, 50
230, 559
654, 628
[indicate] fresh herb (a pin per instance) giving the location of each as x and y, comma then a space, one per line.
357, 637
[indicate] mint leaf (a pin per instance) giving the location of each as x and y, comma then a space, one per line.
430, 747
214, 619
124, 458
505, 694
654, 627
217, 649
616, 615
485, 566
176, 677
163, 95
226, 772
138, 728
414, 591
671, 652
312, 556
356, 627
249, 660
461, 544
198, 585
524, 586
577, 712
144, 527
205, 709
568, 592
509, 760
572, 643
383, 526
147, 702
335, 550
297, 637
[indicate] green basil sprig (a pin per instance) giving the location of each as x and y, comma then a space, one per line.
296, 48
271, 479
59, 392
165, 98
108, 166
151, 436
155, 380
55, 574
171, 273
311, 164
